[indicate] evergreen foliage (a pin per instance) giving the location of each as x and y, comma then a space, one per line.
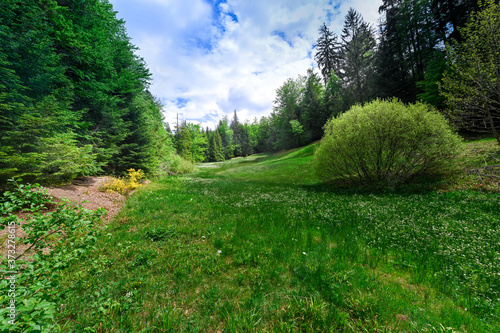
357, 53
313, 114
407, 63
199, 143
74, 96
327, 52
235, 127
411, 32
216, 154
227, 135
432, 78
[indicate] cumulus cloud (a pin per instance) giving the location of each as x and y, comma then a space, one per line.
211, 57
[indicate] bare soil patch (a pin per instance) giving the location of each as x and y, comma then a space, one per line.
85, 191
82, 190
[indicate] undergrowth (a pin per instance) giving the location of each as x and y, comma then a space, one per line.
31, 274
480, 162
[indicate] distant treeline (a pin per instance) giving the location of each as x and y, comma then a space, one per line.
74, 96
424, 51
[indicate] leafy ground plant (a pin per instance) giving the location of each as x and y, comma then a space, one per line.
53, 241
25, 197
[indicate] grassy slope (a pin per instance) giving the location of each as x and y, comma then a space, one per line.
256, 244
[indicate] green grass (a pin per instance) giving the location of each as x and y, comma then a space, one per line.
258, 245
481, 165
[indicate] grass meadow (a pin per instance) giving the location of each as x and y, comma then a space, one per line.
257, 244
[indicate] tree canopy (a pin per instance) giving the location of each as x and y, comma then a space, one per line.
75, 100
472, 83
74, 94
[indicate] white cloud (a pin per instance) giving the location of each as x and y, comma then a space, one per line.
208, 60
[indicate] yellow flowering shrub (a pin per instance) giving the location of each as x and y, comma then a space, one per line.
123, 185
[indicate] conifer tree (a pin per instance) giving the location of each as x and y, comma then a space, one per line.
357, 53
227, 135
313, 115
244, 135
216, 154
69, 74
332, 101
184, 142
327, 52
235, 127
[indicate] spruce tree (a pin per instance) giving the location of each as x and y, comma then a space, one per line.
227, 135
327, 52
313, 115
216, 154
235, 127
357, 51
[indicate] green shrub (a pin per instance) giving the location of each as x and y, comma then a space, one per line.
175, 164
27, 198
33, 275
386, 144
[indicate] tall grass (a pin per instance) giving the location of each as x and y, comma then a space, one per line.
258, 245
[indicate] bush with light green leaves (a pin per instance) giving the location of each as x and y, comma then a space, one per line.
384, 144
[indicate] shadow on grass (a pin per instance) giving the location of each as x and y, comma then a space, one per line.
403, 190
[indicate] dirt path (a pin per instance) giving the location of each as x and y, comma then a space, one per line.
86, 190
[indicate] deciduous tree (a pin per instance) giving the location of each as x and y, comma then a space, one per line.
472, 83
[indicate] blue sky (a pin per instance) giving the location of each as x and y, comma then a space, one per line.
211, 57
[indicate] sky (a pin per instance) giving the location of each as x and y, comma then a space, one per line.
211, 57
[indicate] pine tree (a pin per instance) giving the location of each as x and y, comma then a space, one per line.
327, 52
313, 115
357, 50
216, 154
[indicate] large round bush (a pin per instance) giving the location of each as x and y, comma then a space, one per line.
385, 144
